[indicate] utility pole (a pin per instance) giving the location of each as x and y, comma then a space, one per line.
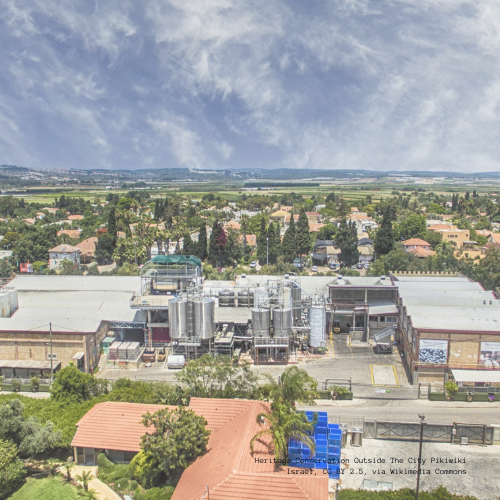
267, 251
51, 358
422, 423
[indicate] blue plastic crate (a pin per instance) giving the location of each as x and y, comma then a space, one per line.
334, 426
321, 440
320, 430
321, 465
306, 452
334, 450
334, 442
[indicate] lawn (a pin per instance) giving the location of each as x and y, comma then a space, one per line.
45, 489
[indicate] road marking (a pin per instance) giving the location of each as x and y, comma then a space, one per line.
395, 375
333, 350
383, 373
371, 372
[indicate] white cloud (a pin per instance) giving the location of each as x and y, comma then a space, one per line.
402, 84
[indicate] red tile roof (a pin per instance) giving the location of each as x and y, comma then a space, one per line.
421, 252
87, 247
113, 426
72, 233
228, 469
416, 242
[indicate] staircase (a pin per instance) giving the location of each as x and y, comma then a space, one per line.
103, 362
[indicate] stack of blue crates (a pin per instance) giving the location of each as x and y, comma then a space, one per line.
328, 441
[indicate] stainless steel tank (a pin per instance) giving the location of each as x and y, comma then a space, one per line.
226, 298
261, 322
178, 318
261, 297
317, 322
243, 298
282, 322
296, 307
204, 318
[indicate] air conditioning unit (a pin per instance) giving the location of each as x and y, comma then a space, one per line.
464, 440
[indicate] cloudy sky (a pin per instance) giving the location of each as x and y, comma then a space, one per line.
382, 84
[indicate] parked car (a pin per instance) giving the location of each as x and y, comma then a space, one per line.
253, 264
367, 266
360, 266
332, 265
314, 269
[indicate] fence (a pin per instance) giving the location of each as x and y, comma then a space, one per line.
440, 433
368, 391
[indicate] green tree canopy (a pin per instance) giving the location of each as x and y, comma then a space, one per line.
12, 471
384, 239
72, 385
303, 238
177, 439
288, 245
412, 226
220, 377
347, 240
28, 434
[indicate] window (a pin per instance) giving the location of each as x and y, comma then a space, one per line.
54, 356
391, 319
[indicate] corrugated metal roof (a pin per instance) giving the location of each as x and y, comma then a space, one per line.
490, 376
377, 307
239, 315
439, 285
463, 294
42, 325
456, 324
462, 312
73, 283
436, 278
452, 302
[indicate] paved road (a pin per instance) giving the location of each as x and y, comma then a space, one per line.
354, 412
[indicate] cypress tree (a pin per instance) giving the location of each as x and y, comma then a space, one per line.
212, 245
262, 243
274, 242
189, 247
201, 247
384, 239
303, 238
112, 225
347, 240
288, 247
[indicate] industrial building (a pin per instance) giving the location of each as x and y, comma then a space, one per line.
63, 319
444, 322
447, 323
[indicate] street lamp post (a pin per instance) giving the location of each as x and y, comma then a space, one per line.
422, 423
267, 251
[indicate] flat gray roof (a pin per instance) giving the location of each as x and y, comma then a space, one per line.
28, 363
239, 315
456, 323
456, 285
462, 312
76, 283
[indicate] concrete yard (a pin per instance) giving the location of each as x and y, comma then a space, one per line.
479, 477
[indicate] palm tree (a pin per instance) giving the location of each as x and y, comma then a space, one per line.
294, 385
67, 466
285, 423
89, 494
85, 477
51, 466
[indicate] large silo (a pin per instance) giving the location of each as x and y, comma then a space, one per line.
282, 322
204, 318
261, 322
261, 297
317, 322
178, 318
296, 307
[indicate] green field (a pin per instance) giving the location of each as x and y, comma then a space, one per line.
45, 489
352, 192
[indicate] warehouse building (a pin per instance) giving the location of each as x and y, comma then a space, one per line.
446, 323
64, 319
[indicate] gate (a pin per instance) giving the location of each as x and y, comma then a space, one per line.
476, 434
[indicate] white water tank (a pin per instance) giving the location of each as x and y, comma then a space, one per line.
317, 322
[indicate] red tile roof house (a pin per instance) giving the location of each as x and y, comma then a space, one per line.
418, 247
226, 471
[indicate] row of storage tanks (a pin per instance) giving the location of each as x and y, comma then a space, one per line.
8, 303
191, 318
282, 320
196, 318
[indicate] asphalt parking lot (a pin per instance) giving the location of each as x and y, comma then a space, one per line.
476, 472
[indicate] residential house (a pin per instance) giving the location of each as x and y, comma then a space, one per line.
418, 247
279, 216
72, 233
75, 217
28, 221
228, 469
313, 217
453, 234
87, 249
251, 240
63, 252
